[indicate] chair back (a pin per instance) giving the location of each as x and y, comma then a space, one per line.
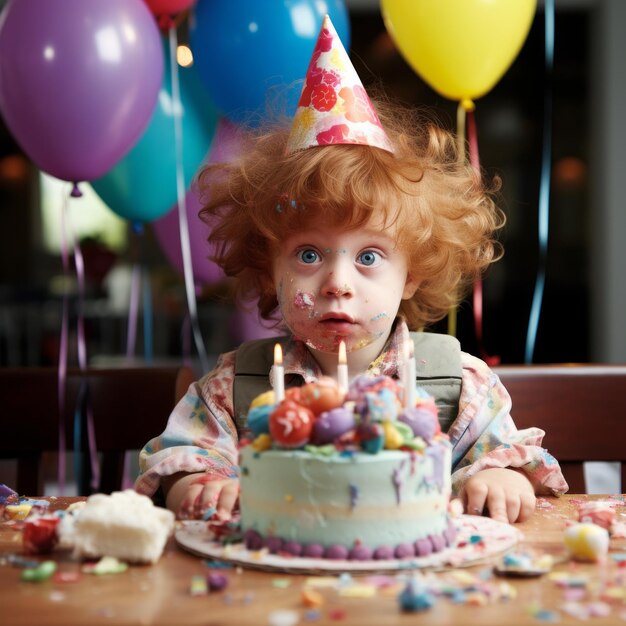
129, 406
582, 408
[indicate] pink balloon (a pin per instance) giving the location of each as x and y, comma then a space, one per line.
246, 324
78, 81
166, 229
225, 146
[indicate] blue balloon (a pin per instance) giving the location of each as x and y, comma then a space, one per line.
142, 186
253, 54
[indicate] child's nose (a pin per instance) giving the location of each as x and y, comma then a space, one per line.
337, 283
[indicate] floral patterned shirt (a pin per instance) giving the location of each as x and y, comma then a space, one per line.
201, 436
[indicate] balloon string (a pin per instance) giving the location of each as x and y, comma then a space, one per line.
182, 206
478, 285
460, 145
63, 341
544, 187
83, 394
133, 309
137, 276
186, 341
148, 351
136, 229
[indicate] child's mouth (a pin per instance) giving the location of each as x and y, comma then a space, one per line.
337, 323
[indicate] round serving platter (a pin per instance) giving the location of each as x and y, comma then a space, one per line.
478, 538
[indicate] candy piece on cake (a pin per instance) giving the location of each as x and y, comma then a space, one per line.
291, 424
259, 412
332, 424
322, 395
124, 525
423, 417
376, 398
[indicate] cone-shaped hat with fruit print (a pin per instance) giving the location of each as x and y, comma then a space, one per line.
334, 107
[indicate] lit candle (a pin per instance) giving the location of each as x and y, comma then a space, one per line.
342, 368
409, 376
279, 374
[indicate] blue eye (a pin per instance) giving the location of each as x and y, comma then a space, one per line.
368, 257
308, 255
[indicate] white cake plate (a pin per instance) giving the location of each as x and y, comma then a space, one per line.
478, 538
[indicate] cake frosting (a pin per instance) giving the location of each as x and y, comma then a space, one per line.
124, 525
356, 475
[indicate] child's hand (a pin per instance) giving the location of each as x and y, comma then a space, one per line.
507, 494
197, 496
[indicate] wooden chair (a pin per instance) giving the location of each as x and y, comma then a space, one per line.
129, 405
582, 408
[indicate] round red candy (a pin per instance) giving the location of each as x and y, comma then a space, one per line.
39, 534
291, 424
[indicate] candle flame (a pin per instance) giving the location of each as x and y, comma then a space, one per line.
342, 353
278, 354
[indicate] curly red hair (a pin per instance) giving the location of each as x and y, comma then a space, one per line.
445, 217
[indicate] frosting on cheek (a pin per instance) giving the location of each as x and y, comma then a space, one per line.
381, 316
303, 300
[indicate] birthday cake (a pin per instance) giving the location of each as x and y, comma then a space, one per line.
346, 476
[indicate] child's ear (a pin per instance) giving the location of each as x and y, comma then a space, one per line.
410, 287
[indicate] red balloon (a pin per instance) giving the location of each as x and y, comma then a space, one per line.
168, 7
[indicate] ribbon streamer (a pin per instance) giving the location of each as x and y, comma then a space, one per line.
140, 283
544, 188
468, 107
83, 394
67, 238
182, 205
62, 363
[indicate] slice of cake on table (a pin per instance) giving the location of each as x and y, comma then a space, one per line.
346, 476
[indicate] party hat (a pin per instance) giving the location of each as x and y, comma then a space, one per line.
334, 106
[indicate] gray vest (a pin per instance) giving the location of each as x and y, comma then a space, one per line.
439, 372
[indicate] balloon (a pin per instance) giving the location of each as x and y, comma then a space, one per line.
461, 48
254, 54
225, 147
168, 7
142, 186
246, 324
78, 80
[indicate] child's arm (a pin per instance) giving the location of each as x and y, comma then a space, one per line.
195, 459
485, 439
198, 496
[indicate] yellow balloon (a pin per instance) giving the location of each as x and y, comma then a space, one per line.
461, 48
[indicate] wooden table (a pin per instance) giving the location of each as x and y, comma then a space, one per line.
160, 594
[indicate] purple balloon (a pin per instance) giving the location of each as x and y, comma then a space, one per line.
78, 80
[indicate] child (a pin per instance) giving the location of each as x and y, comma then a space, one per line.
358, 227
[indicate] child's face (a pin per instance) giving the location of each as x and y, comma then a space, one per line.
341, 285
